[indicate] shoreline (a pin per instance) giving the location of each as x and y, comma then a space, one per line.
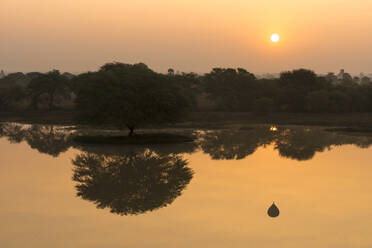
210, 119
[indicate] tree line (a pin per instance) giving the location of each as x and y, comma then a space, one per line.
132, 94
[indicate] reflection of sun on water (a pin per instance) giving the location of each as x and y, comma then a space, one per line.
273, 129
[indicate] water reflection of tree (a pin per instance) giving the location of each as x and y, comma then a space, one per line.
46, 139
298, 143
302, 143
161, 149
54, 140
130, 182
234, 144
15, 133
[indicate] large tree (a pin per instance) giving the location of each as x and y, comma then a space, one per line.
51, 84
11, 96
231, 89
296, 85
129, 96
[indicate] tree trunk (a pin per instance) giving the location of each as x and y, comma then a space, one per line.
34, 105
51, 100
131, 130
34, 102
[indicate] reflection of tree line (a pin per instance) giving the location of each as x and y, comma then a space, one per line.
298, 143
127, 180
233, 144
46, 139
137, 179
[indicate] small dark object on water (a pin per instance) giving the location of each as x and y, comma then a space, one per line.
273, 211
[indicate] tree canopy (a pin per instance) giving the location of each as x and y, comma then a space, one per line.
51, 84
129, 96
133, 95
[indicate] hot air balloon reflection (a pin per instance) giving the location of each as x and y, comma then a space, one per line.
273, 211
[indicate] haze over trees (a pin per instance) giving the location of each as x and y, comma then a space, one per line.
51, 85
129, 96
35, 90
133, 95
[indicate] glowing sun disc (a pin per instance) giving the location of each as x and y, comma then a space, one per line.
275, 38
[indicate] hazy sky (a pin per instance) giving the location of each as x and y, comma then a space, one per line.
187, 35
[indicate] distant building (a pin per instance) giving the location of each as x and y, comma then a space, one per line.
341, 75
344, 76
2, 74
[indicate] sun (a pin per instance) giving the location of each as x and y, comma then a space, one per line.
275, 38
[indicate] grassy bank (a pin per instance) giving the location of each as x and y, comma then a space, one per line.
212, 119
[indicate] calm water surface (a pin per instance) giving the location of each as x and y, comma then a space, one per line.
212, 193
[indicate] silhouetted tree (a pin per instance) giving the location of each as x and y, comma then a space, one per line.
10, 96
15, 79
297, 84
331, 77
318, 101
133, 95
52, 84
129, 96
365, 80
339, 101
263, 105
230, 89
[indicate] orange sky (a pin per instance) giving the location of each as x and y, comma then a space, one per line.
187, 35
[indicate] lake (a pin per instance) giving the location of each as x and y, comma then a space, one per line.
214, 192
